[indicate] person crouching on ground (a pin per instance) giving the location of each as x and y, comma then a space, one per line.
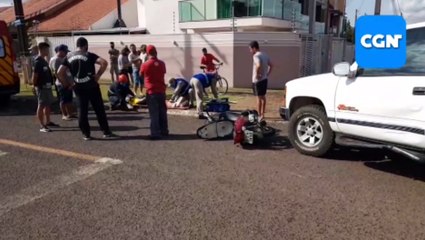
119, 91
199, 83
153, 72
182, 92
42, 79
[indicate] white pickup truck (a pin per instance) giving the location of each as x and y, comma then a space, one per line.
372, 108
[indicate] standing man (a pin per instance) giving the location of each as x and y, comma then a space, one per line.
43, 80
207, 61
199, 83
153, 72
113, 58
81, 64
65, 94
136, 62
124, 63
143, 54
262, 68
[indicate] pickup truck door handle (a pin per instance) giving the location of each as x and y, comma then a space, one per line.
419, 91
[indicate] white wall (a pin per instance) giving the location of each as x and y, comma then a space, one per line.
129, 15
182, 52
159, 16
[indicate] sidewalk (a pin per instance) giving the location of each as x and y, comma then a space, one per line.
243, 99
240, 99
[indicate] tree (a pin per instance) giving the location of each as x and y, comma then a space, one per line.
348, 32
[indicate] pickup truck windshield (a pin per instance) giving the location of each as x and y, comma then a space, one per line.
415, 63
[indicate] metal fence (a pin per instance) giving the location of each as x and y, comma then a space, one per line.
319, 53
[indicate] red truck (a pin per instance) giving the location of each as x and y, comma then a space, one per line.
9, 77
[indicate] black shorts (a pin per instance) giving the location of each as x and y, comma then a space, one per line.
260, 88
65, 95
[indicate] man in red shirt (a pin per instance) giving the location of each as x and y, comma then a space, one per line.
153, 72
207, 61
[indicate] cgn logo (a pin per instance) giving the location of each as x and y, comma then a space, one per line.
381, 42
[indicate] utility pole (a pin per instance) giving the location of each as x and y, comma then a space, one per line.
378, 7
312, 16
21, 28
327, 18
119, 23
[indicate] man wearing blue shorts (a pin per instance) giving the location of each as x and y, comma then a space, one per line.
136, 62
65, 94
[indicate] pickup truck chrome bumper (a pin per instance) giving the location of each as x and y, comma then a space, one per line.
284, 113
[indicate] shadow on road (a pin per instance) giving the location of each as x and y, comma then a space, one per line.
381, 160
171, 137
19, 106
119, 128
125, 117
271, 143
351, 154
402, 167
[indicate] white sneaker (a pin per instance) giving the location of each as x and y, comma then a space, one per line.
45, 129
66, 118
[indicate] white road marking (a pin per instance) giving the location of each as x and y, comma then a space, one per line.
2, 153
49, 186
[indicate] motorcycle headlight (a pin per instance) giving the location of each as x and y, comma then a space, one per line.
251, 118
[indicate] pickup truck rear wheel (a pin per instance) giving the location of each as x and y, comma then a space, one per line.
309, 131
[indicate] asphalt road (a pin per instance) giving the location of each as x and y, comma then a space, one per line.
186, 188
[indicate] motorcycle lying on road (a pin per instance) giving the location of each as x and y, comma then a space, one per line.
245, 128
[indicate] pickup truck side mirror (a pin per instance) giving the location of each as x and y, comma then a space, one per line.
341, 69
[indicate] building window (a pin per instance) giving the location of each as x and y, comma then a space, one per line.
304, 7
2, 50
254, 7
243, 8
224, 9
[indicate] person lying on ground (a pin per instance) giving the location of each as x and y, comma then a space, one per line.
181, 103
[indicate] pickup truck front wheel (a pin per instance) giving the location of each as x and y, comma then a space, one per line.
309, 131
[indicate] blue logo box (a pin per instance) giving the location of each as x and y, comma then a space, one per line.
380, 42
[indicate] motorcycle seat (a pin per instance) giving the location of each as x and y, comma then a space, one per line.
232, 116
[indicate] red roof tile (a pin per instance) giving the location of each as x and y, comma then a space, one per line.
64, 15
2, 9
79, 16
34, 8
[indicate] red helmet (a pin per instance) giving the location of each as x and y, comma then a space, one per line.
123, 79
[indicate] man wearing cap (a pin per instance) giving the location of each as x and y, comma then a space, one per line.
153, 71
65, 94
81, 63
